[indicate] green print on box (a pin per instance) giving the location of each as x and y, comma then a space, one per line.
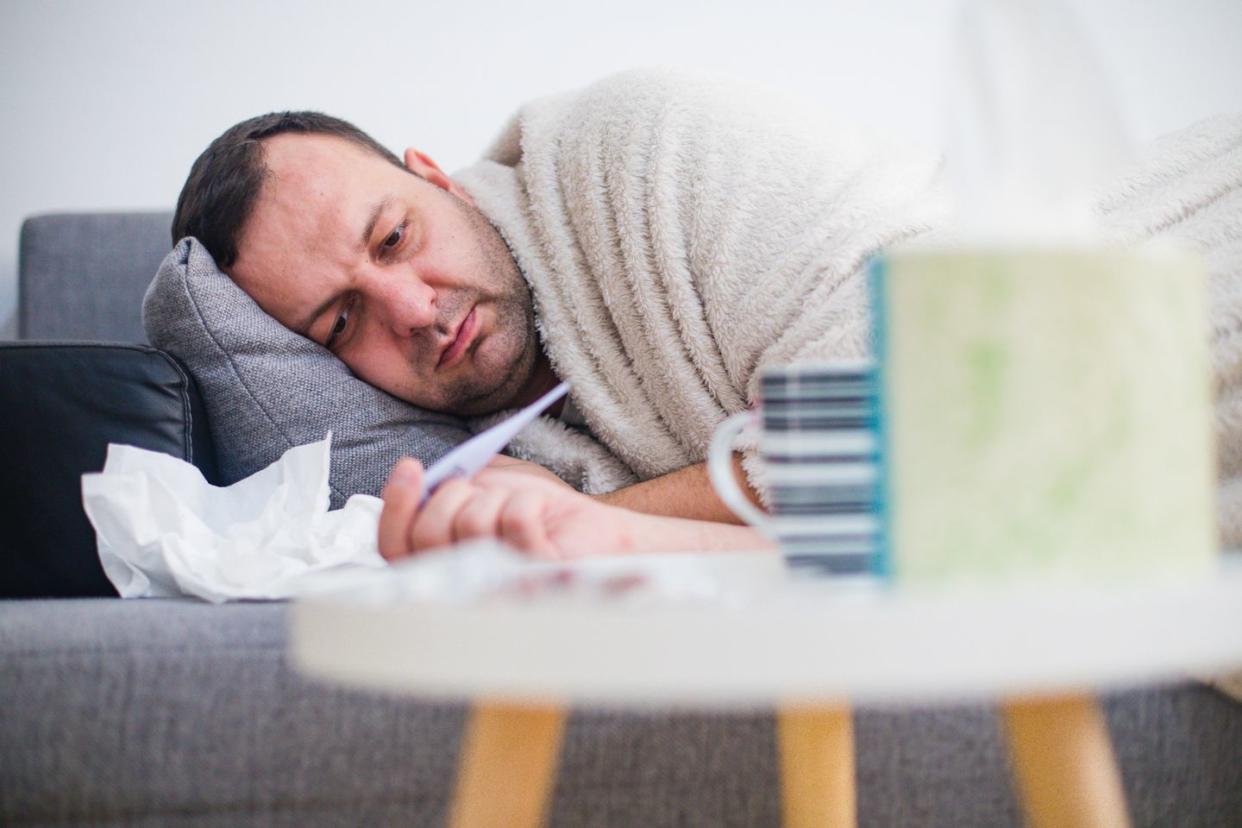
1045, 411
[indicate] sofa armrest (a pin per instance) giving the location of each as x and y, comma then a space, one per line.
60, 406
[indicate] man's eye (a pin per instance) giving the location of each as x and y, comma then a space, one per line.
394, 238
339, 327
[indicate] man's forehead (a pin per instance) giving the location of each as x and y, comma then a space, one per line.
303, 231
291, 151
315, 185
309, 169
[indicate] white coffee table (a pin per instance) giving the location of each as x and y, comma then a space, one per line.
761, 640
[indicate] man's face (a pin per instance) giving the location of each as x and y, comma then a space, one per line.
401, 277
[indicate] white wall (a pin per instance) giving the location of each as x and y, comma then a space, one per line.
106, 104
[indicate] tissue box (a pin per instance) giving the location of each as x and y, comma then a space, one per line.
63, 404
1045, 412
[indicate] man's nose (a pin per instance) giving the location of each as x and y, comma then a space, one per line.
407, 302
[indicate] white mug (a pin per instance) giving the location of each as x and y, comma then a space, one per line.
817, 437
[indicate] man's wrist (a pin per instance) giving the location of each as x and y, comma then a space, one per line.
654, 533
685, 493
606, 498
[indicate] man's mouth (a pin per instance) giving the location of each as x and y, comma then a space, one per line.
465, 334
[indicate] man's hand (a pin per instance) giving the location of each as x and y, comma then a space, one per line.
520, 503
532, 510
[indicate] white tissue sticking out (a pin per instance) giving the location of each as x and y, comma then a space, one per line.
1035, 126
164, 531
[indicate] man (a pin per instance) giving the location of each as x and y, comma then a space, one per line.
394, 269
676, 237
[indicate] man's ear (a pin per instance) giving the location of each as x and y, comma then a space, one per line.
421, 164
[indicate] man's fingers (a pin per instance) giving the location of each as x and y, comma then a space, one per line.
401, 495
521, 524
461, 510
433, 525
479, 517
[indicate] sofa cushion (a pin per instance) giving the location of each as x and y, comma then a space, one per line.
268, 389
81, 275
63, 404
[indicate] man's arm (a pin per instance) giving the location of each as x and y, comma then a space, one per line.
685, 493
537, 515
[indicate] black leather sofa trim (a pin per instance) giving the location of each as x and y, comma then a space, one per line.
60, 406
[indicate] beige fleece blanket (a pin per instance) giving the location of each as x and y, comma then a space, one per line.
679, 233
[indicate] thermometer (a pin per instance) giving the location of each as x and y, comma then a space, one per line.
474, 454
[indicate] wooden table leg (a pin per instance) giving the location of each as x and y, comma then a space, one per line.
1063, 762
817, 767
508, 764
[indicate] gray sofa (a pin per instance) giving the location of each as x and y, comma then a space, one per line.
178, 713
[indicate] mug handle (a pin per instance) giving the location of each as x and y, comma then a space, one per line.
720, 469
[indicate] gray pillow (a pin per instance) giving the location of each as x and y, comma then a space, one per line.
268, 389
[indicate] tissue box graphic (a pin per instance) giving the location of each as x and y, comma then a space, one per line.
1044, 411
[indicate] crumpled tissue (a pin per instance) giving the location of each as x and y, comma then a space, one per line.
164, 531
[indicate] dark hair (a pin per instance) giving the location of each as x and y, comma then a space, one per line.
224, 183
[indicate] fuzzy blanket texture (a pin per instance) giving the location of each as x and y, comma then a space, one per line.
679, 233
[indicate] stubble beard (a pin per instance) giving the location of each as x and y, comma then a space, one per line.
475, 395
